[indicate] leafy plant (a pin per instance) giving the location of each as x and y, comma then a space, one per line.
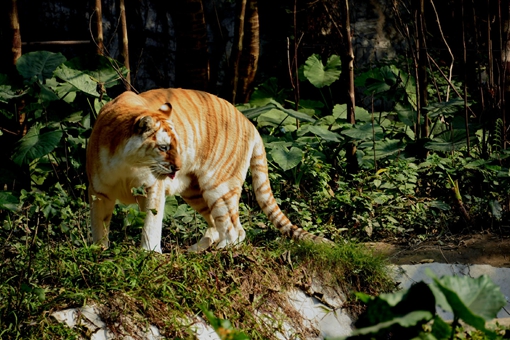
48, 112
474, 301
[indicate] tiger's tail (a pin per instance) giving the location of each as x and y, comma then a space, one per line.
267, 202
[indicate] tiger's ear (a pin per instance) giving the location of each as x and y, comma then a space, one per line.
166, 108
144, 125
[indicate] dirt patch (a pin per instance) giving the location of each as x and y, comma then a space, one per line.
488, 249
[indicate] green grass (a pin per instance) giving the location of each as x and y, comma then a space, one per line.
166, 289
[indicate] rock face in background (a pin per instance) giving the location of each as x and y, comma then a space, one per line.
153, 42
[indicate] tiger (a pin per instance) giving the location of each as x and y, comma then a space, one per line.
179, 142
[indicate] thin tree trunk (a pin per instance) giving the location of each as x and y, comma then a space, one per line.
504, 16
237, 48
16, 35
423, 130
348, 70
125, 45
99, 28
466, 114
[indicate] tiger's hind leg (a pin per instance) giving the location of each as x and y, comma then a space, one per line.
221, 214
193, 196
225, 212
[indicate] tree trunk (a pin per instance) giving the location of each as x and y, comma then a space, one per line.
192, 60
422, 130
348, 70
99, 28
464, 58
237, 49
505, 57
249, 56
125, 46
16, 35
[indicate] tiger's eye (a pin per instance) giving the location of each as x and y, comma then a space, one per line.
164, 148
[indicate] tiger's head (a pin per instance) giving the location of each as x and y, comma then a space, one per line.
159, 142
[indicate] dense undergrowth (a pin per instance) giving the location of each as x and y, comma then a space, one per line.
404, 187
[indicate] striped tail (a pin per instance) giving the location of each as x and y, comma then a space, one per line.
265, 198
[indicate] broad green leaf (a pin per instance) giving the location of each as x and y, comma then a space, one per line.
447, 109
384, 309
298, 115
387, 148
475, 301
254, 112
78, 79
279, 144
293, 113
439, 205
35, 144
64, 91
409, 320
7, 93
320, 131
377, 80
476, 164
362, 115
8, 201
496, 209
321, 75
410, 88
40, 64
364, 132
47, 95
287, 159
102, 69
449, 141
274, 117
340, 111
407, 116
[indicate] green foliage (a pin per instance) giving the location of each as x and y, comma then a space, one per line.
35, 144
321, 75
404, 186
48, 111
411, 312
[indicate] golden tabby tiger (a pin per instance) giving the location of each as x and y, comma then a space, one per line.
175, 141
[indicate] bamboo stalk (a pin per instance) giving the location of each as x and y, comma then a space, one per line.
125, 46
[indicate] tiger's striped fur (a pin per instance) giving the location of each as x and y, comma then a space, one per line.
211, 146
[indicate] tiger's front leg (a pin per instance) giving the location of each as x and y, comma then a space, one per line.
154, 206
101, 209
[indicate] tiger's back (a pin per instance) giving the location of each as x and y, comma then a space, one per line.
215, 147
